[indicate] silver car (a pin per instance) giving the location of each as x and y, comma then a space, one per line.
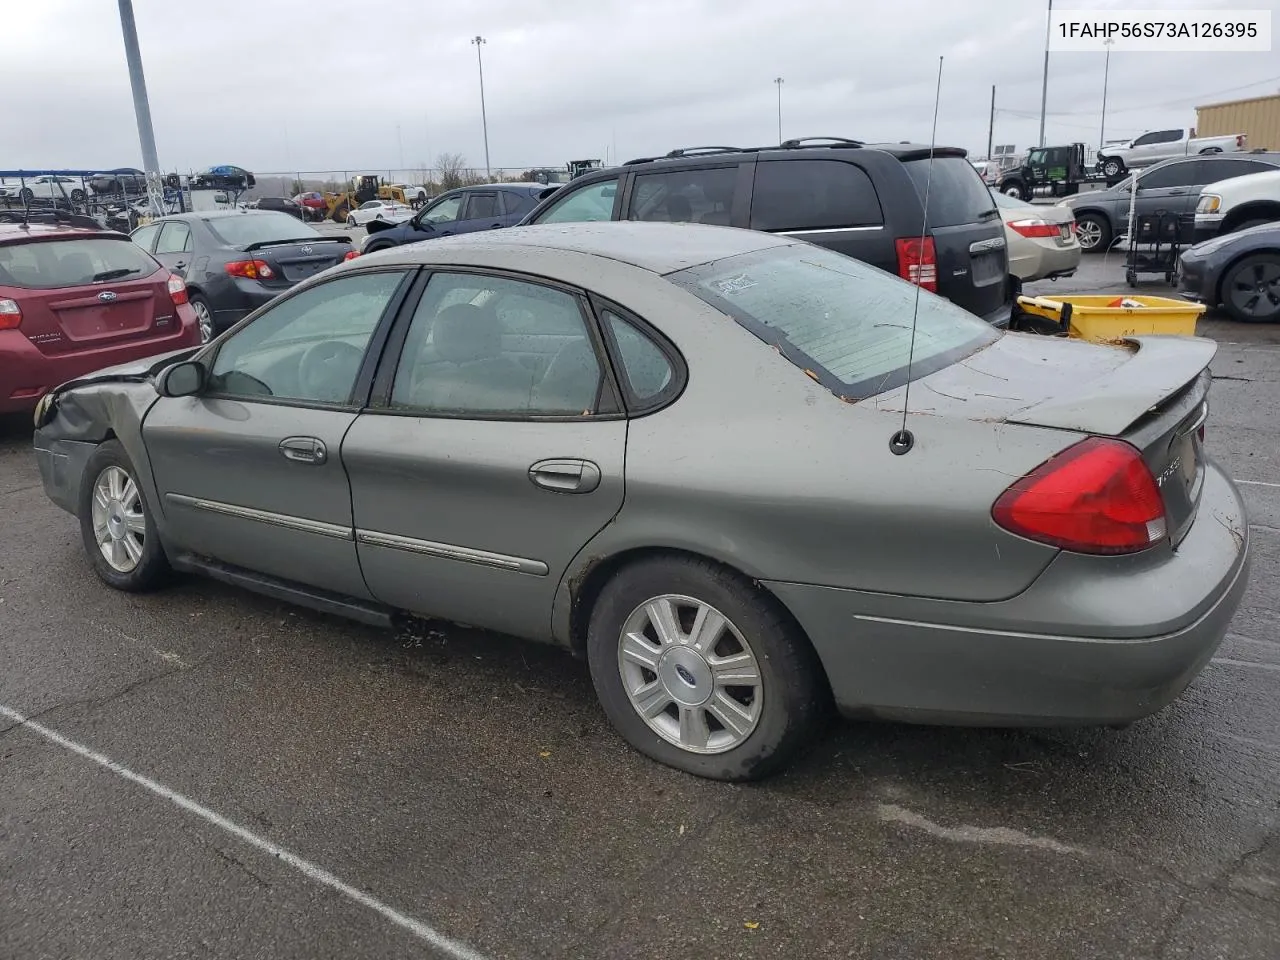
1041, 238
679, 451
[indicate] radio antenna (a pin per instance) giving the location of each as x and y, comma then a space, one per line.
902, 441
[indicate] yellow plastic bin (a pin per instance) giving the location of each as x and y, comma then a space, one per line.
1095, 317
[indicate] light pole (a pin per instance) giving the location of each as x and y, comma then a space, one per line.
484, 120
1044, 88
141, 107
1106, 72
778, 81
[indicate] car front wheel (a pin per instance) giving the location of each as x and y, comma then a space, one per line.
1251, 289
1112, 167
702, 671
116, 525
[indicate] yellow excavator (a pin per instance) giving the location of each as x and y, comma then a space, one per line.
364, 187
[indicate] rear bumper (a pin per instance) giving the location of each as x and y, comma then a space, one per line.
1021, 667
1045, 261
1000, 317
27, 374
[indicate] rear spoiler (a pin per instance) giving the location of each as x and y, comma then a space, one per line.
262, 244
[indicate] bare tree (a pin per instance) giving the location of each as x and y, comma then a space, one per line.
451, 167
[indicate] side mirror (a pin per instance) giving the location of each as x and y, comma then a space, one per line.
184, 379
422, 223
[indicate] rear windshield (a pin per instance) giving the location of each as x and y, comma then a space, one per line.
844, 320
240, 231
957, 194
48, 264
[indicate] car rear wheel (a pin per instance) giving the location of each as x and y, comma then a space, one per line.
205, 316
1251, 289
374, 247
27, 194
1093, 232
700, 670
116, 525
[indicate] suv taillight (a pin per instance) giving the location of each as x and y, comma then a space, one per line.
250, 269
177, 291
918, 262
1095, 497
10, 315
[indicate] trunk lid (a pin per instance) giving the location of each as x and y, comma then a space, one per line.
967, 231
293, 261
1149, 391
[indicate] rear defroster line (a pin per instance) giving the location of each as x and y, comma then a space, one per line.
424, 932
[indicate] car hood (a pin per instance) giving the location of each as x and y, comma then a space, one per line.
1094, 388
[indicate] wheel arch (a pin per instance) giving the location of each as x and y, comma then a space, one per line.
1254, 209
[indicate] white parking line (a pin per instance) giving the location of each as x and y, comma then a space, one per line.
1258, 483
422, 931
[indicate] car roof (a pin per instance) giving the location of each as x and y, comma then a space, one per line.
15, 233
218, 214
657, 247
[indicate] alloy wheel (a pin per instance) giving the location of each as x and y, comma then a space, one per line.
1255, 291
119, 521
1089, 233
690, 674
205, 319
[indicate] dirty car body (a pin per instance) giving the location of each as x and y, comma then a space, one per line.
681, 440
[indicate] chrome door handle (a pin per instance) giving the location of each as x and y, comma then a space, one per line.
304, 449
565, 476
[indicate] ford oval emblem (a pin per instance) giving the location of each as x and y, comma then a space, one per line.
684, 673
106, 296
306, 249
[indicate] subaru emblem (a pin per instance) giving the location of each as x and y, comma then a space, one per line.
106, 296
306, 249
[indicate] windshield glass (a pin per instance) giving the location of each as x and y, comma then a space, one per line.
48, 264
957, 194
239, 231
846, 321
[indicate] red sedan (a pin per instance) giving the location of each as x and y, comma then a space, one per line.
74, 300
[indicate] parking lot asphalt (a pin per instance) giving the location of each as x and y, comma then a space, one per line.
213, 774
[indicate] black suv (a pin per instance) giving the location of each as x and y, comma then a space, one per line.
863, 200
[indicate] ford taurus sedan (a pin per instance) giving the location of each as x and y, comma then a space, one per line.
679, 452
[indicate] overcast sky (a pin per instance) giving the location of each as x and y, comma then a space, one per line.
350, 85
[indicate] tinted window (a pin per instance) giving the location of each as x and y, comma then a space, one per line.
493, 346
646, 371
445, 211
702, 195
813, 195
145, 236
1222, 168
1183, 174
241, 230
47, 264
308, 347
1146, 138
957, 194
175, 237
482, 206
848, 322
584, 205
518, 204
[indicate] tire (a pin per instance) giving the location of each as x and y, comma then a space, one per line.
1014, 190
205, 315
375, 247
1251, 289
1112, 167
775, 716
77, 195
123, 520
27, 194
1093, 231
351, 220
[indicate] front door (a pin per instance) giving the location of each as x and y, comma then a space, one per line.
497, 455
1172, 189
249, 472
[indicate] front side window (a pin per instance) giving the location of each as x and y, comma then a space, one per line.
497, 347
584, 205
308, 347
1182, 174
702, 195
444, 211
844, 320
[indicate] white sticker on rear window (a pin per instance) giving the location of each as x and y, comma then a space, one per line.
731, 285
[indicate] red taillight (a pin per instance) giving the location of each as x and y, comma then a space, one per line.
177, 291
10, 315
1096, 497
252, 269
1034, 228
918, 262
352, 255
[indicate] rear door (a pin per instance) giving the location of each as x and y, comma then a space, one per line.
968, 234
480, 212
86, 293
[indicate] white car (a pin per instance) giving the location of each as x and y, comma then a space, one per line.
1156, 145
1237, 204
388, 211
46, 188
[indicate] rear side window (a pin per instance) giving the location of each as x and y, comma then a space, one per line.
957, 194
813, 195
703, 195
49, 264
482, 206
647, 374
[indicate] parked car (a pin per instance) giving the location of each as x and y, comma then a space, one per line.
413, 194
225, 176
1102, 216
124, 180
1042, 239
1239, 270
234, 261
313, 205
74, 300
47, 188
1156, 145
279, 204
448, 429
1238, 204
862, 200
464, 210
384, 211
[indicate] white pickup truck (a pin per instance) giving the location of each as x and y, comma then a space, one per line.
1156, 145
